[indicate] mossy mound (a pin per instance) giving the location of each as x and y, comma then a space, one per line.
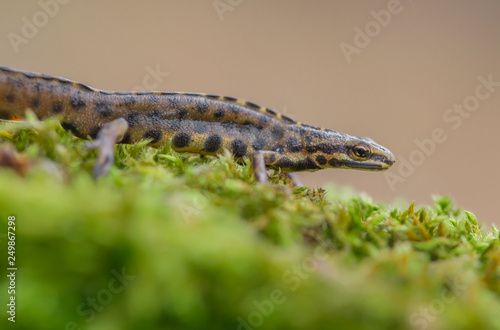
175, 241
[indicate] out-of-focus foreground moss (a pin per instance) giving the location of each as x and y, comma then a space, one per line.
170, 241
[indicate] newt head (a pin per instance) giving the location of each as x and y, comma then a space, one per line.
363, 153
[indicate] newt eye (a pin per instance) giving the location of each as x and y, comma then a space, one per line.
361, 151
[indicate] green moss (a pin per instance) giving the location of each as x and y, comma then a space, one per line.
205, 247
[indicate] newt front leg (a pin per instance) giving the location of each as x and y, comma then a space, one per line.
108, 136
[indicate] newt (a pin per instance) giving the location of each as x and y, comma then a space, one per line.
192, 122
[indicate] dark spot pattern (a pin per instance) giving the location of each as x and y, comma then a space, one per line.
297, 129
65, 87
279, 148
57, 107
378, 157
305, 164
234, 108
35, 103
252, 105
156, 116
104, 109
334, 162
294, 145
321, 159
174, 102
201, 106
37, 87
192, 94
175, 125
77, 102
230, 98
70, 127
130, 100
17, 83
264, 120
181, 140
248, 123
308, 139
289, 120
230, 127
283, 162
277, 132
259, 143
270, 158
318, 134
127, 138
94, 131
213, 143
329, 148
271, 112
182, 113
133, 119
153, 134
219, 113
200, 127
238, 148
311, 149
152, 98
10, 97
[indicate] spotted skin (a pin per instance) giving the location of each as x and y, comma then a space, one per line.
193, 122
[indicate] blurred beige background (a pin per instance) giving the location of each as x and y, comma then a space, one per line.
395, 85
